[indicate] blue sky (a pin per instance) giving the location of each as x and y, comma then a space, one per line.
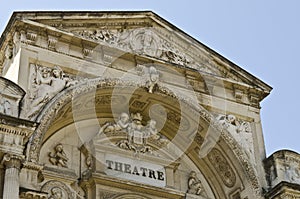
262, 37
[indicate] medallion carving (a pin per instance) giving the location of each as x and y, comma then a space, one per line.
58, 190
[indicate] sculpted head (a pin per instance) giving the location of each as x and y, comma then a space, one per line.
57, 71
124, 117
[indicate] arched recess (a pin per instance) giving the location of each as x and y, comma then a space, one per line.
59, 112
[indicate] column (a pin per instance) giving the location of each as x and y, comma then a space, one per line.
12, 165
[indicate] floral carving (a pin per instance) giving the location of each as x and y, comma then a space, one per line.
222, 167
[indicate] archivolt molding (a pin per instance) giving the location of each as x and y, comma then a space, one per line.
47, 116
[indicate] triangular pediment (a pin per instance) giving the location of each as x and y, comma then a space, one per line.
143, 33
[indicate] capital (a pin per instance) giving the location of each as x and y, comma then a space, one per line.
12, 161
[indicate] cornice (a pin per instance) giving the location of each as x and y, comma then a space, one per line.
208, 55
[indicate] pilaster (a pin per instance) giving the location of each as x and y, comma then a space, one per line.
12, 165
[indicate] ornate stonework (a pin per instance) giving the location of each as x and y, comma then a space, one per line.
45, 84
93, 138
58, 157
195, 185
222, 167
138, 135
240, 130
58, 190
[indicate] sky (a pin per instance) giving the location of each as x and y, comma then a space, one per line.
262, 37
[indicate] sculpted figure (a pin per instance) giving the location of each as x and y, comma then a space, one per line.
153, 79
152, 130
194, 184
5, 107
49, 83
59, 157
122, 124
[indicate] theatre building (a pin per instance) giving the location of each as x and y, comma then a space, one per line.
124, 105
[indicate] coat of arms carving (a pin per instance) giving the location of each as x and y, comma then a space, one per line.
139, 138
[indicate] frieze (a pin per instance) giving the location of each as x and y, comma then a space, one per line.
222, 167
143, 41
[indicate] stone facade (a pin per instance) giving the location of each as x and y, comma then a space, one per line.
125, 105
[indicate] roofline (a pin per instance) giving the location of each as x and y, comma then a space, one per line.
18, 14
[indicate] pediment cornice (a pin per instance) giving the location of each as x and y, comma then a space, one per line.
141, 33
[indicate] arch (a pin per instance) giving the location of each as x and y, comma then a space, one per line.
47, 116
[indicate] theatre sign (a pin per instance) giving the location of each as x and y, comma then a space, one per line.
124, 105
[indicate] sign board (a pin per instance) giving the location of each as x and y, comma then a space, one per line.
135, 170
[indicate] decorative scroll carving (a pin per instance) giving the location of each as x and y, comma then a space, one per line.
194, 184
59, 157
46, 83
137, 134
222, 167
58, 190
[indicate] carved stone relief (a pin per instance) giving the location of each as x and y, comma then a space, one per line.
45, 84
58, 157
222, 167
47, 120
58, 190
137, 134
240, 130
291, 172
5, 106
10, 97
143, 41
195, 185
